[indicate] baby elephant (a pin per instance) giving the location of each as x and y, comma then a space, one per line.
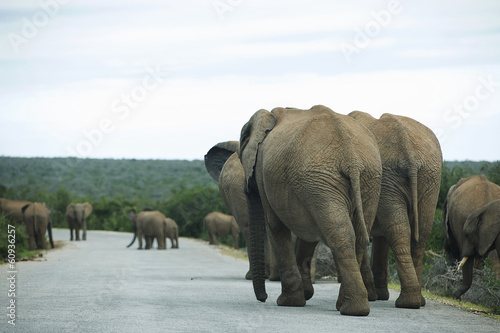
219, 224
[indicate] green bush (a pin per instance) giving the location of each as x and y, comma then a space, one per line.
21, 238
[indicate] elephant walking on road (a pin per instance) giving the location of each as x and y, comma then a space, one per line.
411, 162
152, 224
76, 215
317, 174
471, 223
220, 225
37, 218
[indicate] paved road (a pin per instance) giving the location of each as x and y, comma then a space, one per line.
101, 286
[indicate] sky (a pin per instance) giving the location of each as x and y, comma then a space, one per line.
168, 79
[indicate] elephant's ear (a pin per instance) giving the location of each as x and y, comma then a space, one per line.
486, 220
70, 210
252, 135
217, 157
88, 209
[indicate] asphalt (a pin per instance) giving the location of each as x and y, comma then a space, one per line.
99, 285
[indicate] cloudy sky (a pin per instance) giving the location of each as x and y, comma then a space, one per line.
167, 79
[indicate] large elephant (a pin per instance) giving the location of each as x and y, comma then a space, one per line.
221, 225
411, 162
316, 173
76, 215
471, 223
152, 224
13, 209
37, 218
225, 167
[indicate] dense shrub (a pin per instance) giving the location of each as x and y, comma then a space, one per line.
21, 238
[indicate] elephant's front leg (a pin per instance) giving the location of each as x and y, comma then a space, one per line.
304, 253
380, 266
292, 291
77, 233
139, 238
70, 234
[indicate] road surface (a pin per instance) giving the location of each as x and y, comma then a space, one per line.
101, 286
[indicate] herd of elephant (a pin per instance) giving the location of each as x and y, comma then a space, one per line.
297, 177
348, 180
36, 217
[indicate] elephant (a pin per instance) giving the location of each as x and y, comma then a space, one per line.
224, 166
76, 215
315, 173
13, 209
37, 219
220, 225
411, 162
153, 224
471, 223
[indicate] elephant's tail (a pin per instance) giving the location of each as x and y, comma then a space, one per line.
360, 226
49, 230
414, 194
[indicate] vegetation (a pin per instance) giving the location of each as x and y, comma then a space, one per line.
184, 191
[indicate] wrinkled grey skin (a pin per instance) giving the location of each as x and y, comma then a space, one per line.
412, 162
76, 215
470, 223
152, 224
221, 225
37, 219
225, 167
317, 174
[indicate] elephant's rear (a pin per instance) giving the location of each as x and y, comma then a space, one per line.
321, 137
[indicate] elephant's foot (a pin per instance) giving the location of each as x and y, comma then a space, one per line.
409, 300
292, 291
382, 294
422, 301
292, 299
352, 305
372, 293
356, 307
308, 290
248, 275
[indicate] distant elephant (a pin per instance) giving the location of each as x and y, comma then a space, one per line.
220, 225
225, 167
152, 224
411, 163
471, 223
317, 174
37, 219
76, 215
13, 209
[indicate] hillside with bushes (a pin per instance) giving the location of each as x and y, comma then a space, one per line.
184, 191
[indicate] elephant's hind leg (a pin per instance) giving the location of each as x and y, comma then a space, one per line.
338, 233
398, 235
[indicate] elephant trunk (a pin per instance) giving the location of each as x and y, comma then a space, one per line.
133, 239
257, 229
